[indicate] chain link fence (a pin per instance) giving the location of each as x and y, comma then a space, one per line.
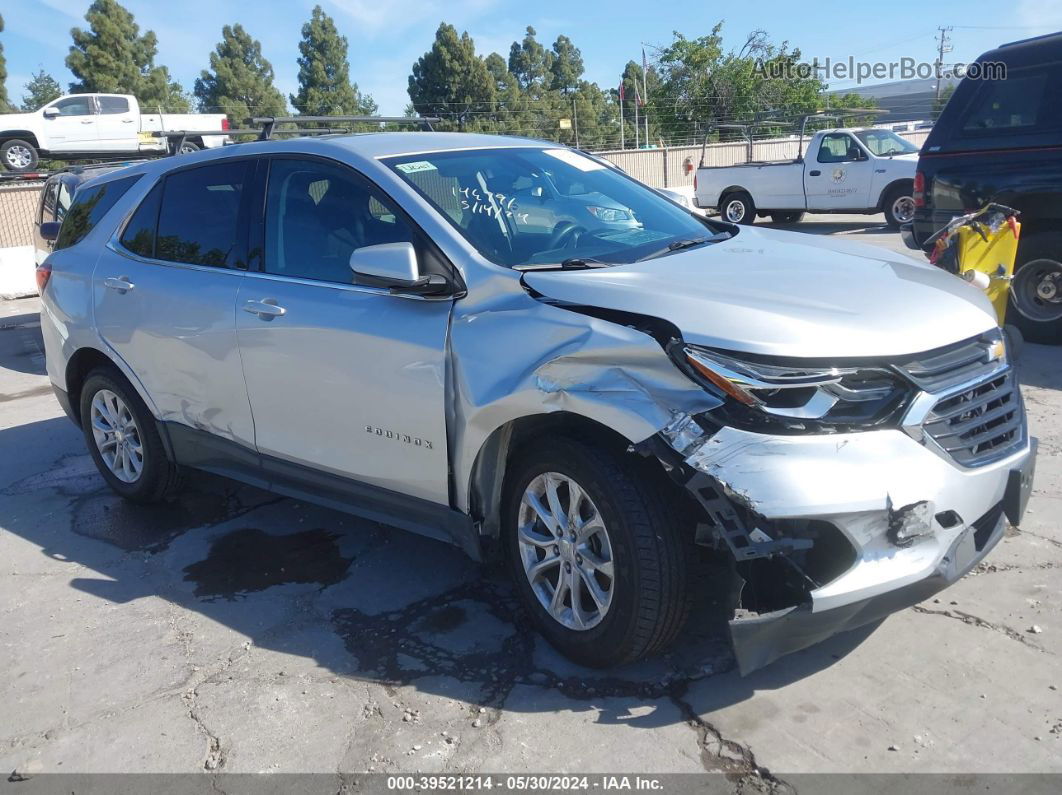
18, 203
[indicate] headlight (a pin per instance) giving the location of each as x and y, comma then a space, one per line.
795, 393
609, 215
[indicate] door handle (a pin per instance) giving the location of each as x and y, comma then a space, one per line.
127, 121
120, 283
266, 310
814, 173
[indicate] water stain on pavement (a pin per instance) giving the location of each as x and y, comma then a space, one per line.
250, 559
479, 634
105, 516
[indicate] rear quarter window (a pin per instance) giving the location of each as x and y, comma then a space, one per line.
89, 207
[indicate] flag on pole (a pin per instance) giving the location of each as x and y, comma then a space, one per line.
621, 93
638, 95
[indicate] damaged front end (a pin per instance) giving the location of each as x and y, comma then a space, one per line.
843, 494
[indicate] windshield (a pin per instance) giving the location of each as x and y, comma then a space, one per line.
885, 142
525, 207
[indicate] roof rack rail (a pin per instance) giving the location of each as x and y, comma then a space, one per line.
268, 129
269, 122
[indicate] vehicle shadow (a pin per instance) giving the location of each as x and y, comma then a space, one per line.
21, 344
873, 225
374, 604
1041, 365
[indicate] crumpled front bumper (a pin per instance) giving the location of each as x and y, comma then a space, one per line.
854, 482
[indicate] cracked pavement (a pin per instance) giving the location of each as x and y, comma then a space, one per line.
234, 631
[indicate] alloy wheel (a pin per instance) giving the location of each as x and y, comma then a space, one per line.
565, 550
117, 436
19, 156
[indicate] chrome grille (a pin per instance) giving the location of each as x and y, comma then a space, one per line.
978, 415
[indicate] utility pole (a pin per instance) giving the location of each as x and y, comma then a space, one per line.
943, 46
575, 122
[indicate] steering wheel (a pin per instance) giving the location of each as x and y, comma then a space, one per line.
564, 234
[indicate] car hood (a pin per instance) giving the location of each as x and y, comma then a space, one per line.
787, 294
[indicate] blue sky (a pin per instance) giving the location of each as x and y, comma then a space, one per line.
386, 36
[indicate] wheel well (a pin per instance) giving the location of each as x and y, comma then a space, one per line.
732, 189
904, 183
80, 365
487, 483
24, 135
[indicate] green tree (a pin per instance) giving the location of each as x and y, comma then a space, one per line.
452, 82
529, 61
567, 66
240, 80
324, 74
112, 57
40, 90
942, 100
5, 105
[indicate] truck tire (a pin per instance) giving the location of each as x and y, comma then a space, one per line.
737, 208
787, 218
18, 155
124, 440
1035, 305
898, 205
188, 147
615, 591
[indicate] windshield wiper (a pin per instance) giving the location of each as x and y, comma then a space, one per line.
680, 245
570, 264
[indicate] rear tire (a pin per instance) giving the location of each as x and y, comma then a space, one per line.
645, 599
898, 205
124, 441
738, 208
189, 147
787, 218
1035, 304
19, 156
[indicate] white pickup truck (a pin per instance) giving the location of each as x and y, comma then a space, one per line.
845, 170
97, 125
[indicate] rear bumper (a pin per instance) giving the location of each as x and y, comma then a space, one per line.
64, 401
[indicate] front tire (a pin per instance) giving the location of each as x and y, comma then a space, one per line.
124, 441
595, 553
738, 208
1035, 304
188, 147
18, 156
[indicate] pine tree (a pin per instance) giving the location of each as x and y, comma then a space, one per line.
112, 57
40, 90
567, 66
4, 104
529, 61
239, 81
452, 82
324, 73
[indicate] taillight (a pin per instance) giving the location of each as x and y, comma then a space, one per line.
225, 124
44, 273
919, 193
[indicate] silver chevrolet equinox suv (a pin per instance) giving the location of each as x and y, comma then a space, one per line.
506, 345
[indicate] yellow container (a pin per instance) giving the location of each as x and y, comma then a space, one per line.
994, 256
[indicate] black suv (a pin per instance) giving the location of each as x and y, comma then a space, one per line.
1001, 140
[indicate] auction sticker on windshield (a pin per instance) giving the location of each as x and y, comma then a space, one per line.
415, 166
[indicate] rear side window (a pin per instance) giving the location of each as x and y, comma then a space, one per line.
111, 105
89, 207
48, 200
139, 234
199, 220
1025, 102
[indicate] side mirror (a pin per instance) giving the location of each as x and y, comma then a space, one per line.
51, 113
50, 231
394, 266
